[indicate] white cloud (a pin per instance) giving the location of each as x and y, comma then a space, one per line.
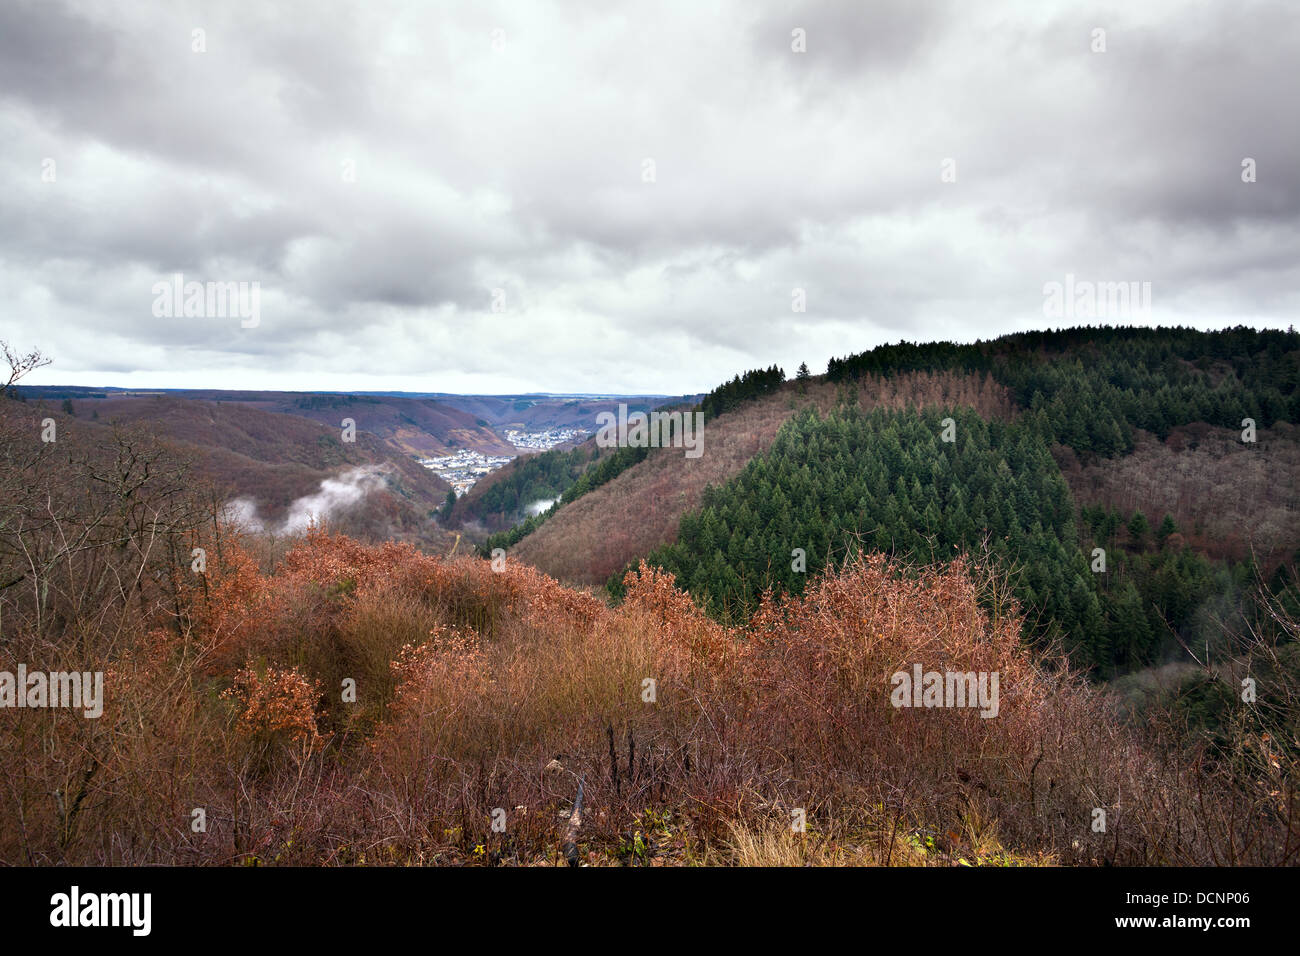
521, 169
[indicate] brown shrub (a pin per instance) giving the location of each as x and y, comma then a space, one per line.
483, 691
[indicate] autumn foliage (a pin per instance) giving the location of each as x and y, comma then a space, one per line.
483, 695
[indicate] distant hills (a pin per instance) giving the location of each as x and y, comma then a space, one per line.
420, 424
273, 450
269, 459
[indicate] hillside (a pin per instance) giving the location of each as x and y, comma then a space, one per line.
512, 500
589, 539
541, 412
419, 427
1232, 500
1117, 590
423, 425
501, 499
1143, 480
273, 460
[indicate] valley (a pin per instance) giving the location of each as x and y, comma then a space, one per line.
1086, 536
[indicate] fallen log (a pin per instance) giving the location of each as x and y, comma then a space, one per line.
570, 845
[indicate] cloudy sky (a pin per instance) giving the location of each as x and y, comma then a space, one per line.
588, 196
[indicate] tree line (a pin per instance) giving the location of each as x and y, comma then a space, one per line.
1090, 388
741, 388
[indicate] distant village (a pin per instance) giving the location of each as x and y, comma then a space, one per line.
541, 441
462, 469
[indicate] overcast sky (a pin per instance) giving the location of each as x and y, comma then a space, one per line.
379, 169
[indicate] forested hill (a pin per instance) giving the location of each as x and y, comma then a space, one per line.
1092, 386
1117, 588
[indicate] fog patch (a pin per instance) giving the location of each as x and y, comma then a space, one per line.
336, 495
534, 508
242, 513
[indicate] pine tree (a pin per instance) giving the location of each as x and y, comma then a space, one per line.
1138, 527
1167, 527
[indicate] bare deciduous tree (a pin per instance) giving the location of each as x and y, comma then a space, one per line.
20, 363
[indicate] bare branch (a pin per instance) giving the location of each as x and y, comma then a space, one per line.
19, 365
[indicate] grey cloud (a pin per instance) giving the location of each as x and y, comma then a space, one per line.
520, 169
